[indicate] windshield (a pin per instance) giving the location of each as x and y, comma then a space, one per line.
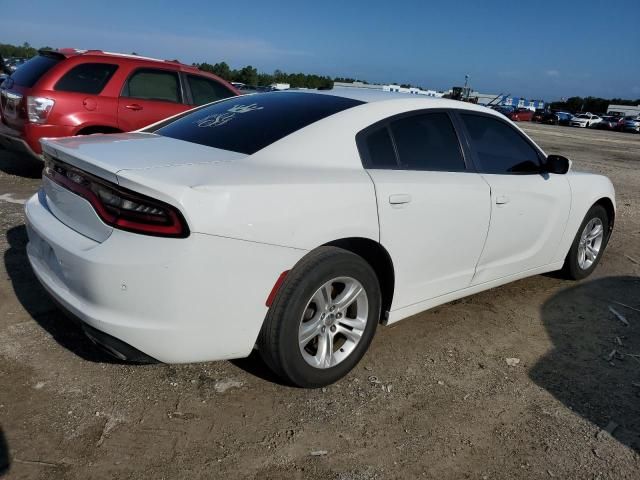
249, 123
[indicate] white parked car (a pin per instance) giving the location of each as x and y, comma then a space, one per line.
585, 120
298, 221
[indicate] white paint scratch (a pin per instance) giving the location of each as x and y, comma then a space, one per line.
8, 197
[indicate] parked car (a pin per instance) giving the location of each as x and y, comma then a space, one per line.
609, 122
521, 115
15, 63
72, 92
632, 124
538, 115
563, 118
585, 120
238, 224
503, 109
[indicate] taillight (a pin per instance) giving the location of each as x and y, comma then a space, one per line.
39, 108
119, 207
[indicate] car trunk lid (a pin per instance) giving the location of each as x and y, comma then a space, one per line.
103, 156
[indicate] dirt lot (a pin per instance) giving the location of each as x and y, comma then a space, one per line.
433, 398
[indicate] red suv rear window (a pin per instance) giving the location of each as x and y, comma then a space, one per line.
31, 71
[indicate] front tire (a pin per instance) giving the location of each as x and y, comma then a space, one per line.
588, 244
323, 318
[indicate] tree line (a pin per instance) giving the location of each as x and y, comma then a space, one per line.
249, 75
19, 51
590, 104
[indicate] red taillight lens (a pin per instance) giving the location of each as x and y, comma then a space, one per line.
119, 207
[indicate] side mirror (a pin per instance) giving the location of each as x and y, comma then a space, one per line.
557, 164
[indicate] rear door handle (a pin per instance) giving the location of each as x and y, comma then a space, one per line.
133, 106
502, 199
399, 199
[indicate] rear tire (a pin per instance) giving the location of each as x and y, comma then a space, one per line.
588, 245
315, 332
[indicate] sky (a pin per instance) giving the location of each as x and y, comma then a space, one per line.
537, 49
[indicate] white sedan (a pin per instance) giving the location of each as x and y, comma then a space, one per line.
585, 120
295, 222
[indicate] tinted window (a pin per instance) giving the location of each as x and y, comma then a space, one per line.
152, 84
380, 152
250, 123
205, 90
427, 142
499, 147
88, 78
30, 72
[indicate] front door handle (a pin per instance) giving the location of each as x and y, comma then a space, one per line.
502, 199
133, 106
399, 199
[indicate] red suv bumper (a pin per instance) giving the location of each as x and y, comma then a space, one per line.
27, 141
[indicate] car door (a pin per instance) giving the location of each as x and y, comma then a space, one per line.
529, 208
149, 95
433, 211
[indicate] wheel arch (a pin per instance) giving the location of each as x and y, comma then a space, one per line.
91, 129
607, 204
379, 259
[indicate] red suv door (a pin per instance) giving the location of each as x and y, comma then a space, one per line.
148, 96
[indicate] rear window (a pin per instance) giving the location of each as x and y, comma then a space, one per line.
31, 71
249, 123
205, 90
88, 78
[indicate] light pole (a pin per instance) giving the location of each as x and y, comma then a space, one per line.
466, 91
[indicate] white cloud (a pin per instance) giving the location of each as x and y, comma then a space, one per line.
552, 73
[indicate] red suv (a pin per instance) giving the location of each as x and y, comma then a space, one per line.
74, 92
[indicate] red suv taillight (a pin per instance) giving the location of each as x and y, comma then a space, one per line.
39, 108
119, 207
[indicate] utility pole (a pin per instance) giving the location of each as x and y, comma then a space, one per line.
466, 90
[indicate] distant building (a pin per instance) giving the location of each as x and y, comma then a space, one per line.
624, 110
280, 86
390, 88
507, 101
371, 86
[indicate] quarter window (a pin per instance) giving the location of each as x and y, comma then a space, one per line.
427, 142
150, 84
499, 147
381, 153
204, 90
90, 78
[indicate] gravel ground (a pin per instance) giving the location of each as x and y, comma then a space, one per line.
435, 397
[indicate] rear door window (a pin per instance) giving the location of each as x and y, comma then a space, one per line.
153, 84
427, 142
205, 90
31, 71
499, 147
89, 78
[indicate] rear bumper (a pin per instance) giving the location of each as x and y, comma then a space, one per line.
27, 141
13, 141
176, 300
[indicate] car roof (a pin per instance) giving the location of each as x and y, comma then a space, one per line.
366, 95
74, 52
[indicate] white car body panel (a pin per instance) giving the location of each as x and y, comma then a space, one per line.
253, 217
161, 295
436, 238
528, 218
